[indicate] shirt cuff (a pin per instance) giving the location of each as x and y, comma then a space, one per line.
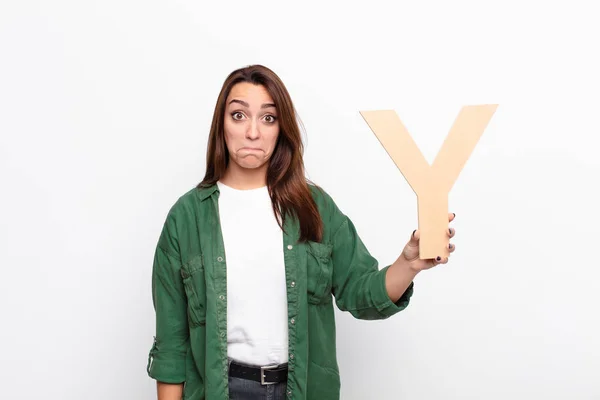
385, 305
165, 367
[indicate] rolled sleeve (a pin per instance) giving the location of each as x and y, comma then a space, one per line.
384, 304
358, 283
166, 367
167, 357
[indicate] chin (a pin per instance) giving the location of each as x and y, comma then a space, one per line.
251, 165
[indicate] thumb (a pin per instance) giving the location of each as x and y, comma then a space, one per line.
411, 250
414, 238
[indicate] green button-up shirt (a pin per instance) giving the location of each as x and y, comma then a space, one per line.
189, 289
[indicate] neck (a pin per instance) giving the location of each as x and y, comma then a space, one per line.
245, 179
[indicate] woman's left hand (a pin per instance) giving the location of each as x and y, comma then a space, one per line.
411, 250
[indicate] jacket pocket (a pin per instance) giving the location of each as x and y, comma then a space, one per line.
194, 282
319, 272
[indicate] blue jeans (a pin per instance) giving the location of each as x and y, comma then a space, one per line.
244, 389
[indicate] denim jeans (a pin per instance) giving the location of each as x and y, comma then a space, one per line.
244, 389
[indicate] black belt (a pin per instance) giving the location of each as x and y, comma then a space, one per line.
267, 375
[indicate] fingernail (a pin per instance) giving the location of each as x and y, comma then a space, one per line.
413, 234
450, 246
454, 214
450, 230
438, 258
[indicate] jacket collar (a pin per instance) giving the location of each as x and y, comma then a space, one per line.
206, 192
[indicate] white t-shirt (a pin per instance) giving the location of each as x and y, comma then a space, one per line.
257, 330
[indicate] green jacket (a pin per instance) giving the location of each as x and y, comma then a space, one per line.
189, 291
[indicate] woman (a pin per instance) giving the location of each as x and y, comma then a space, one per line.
249, 262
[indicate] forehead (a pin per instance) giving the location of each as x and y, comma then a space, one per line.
250, 93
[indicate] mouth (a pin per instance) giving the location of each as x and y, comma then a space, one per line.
250, 149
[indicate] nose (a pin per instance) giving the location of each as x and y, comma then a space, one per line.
253, 132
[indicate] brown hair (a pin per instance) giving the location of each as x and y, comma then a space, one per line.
287, 185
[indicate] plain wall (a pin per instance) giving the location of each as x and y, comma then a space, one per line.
105, 108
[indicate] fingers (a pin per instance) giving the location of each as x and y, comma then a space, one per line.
415, 236
451, 233
438, 261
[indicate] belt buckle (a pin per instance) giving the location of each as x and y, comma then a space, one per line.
262, 374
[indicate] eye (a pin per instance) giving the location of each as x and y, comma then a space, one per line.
270, 118
237, 116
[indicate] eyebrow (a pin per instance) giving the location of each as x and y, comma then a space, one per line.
242, 102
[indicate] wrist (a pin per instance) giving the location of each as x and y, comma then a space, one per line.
412, 266
399, 277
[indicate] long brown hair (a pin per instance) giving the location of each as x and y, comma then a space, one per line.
286, 182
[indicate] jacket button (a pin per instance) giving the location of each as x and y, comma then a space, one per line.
290, 247
293, 284
293, 321
220, 259
222, 297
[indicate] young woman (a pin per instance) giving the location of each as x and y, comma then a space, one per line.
249, 263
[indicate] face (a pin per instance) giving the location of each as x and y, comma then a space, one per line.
251, 125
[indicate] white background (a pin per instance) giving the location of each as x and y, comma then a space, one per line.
105, 108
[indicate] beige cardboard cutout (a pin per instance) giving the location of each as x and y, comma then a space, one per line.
431, 184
